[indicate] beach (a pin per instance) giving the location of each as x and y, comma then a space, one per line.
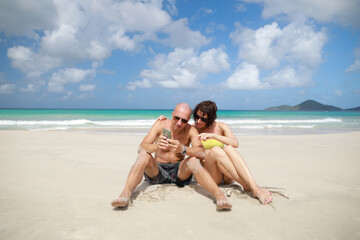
59, 185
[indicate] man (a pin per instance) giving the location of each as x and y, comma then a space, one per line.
169, 164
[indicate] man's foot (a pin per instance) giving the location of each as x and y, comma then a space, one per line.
222, 203
120, 202
263, 195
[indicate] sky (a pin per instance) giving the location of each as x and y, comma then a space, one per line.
153, 54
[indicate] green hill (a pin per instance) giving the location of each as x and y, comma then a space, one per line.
309, 105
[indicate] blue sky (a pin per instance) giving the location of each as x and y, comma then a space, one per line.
245, 55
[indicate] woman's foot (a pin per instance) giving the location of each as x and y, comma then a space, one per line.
263, 195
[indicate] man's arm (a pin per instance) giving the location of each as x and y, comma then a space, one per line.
148, 143
196, 149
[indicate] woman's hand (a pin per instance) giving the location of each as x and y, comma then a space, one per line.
161, 118
205, 136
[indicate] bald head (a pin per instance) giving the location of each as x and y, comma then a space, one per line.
183, 107
181, 115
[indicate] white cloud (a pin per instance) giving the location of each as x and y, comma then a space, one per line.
291, 53
257, 46
7, 88
30, 88
181, 36
269, 45
246, 76
68, 95
288, 77
87, 87
344, 12
68, 32
31, 63
182, 68
23, 17
84, 30
68, 75
239, 7
145, 83
356, 66
171, 7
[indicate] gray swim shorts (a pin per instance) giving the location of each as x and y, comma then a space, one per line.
168, 174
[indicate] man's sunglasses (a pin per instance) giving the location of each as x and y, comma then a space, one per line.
182, 120
202, 118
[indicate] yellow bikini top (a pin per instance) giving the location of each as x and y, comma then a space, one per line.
210, 143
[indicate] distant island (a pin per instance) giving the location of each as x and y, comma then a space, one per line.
309, 105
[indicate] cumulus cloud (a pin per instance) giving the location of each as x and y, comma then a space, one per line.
257, 46
30, 63
68, 32
338, 11
171, 7
24, 17
87, 87
290, 54
145, 83
183, 68
5, 86
356, 66
29, 88
246, 76
269, 45
182, 37
66, 76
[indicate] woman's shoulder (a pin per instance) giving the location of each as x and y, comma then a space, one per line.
221, 124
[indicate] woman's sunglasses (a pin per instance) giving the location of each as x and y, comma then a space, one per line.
182, 120
202, 118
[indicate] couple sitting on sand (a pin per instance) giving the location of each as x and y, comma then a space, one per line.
218, 163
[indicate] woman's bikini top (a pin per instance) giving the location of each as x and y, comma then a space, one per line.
210, 143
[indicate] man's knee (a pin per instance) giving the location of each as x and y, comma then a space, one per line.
193, 164
143, 159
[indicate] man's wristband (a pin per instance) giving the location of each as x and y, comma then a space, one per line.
184, 151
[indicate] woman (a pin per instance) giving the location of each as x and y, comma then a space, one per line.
222, 161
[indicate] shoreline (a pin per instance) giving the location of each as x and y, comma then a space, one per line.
59, 185
237, 132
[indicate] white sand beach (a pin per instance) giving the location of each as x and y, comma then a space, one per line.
59, 185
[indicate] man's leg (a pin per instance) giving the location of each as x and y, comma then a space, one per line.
192, 166
144, 163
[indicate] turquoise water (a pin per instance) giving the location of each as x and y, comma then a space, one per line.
140, 121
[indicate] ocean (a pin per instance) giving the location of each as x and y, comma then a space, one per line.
140, 121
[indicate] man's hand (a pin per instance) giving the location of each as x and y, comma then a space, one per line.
175, 146
163, 143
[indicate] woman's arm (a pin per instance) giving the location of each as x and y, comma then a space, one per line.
227, 138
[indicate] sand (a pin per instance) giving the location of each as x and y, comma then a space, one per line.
59, 185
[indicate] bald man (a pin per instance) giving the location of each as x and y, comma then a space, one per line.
170, 164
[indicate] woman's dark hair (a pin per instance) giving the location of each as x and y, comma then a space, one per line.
208, 108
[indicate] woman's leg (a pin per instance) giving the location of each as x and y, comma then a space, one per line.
220, 167
246, 179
